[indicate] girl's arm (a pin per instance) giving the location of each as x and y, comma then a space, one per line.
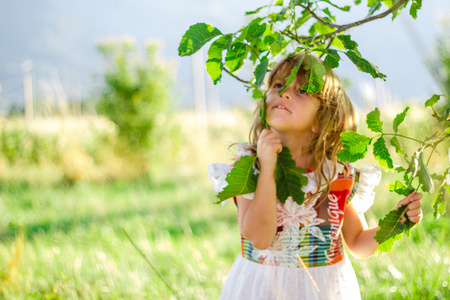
359, 240
258, 217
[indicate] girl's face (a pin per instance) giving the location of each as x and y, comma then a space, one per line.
292, 111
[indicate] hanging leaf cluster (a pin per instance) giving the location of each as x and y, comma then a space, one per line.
414, 167
311, 26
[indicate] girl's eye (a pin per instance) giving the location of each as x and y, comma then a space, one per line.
278, 86
303, 92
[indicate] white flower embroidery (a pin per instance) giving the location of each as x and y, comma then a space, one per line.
286, 246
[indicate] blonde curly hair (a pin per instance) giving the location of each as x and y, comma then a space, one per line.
335, 115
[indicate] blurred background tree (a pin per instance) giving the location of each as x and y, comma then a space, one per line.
137, 90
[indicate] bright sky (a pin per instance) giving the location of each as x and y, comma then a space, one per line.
61, 36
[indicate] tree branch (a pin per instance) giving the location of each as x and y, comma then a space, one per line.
345, 27
379, 16
317, 17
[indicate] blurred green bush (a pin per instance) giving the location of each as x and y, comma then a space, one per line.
137, 89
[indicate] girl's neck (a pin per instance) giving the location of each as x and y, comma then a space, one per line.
297, 144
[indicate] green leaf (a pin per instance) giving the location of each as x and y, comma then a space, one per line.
235, 56
439, 201
260, 71
390, 229
355, 146
364, 65
315, 77
424, 176
348, 43
373, 121
433, 100
214, 64
343, 8
195, 37
241, 179
381, 154
292, 75
399, 188
256, 11
255, 30
415, 6
289, 178
399, 119
398, 147
332, 59
256, 94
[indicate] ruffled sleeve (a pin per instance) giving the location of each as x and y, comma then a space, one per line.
363, 195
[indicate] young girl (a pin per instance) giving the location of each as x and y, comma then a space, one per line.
292, 251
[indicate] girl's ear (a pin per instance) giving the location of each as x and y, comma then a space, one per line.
314, 129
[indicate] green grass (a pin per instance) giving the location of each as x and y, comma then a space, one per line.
74, 246
61, 241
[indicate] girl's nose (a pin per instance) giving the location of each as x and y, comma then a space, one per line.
286, 93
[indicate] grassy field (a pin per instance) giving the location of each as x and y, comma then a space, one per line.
68, 241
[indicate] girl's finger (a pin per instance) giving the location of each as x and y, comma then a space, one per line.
413, 212
405, 200
414, 204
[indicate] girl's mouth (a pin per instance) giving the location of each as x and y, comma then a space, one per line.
280, 107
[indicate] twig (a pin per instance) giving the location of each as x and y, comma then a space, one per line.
150, 264
235, 77
341, 28
309, 275
317, 17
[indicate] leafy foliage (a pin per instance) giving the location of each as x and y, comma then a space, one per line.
281, 24
391, 230
136, 91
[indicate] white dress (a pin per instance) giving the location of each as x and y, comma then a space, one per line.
311, 232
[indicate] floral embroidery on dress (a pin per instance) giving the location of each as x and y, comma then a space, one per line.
286, 245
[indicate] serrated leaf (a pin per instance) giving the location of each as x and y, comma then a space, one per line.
424, 176
255, 30
399, 188
195, 37
289, 178
260, 71
415, 6
381, 154
398, 148
399, 119
348, 43
373, 121
332, 59
364, 65
292, 75
355, 146
235, 56
433, 100
241, 179
315, 77
214, 64
390, 230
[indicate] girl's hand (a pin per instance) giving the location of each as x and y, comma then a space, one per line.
269, 145
413, 210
